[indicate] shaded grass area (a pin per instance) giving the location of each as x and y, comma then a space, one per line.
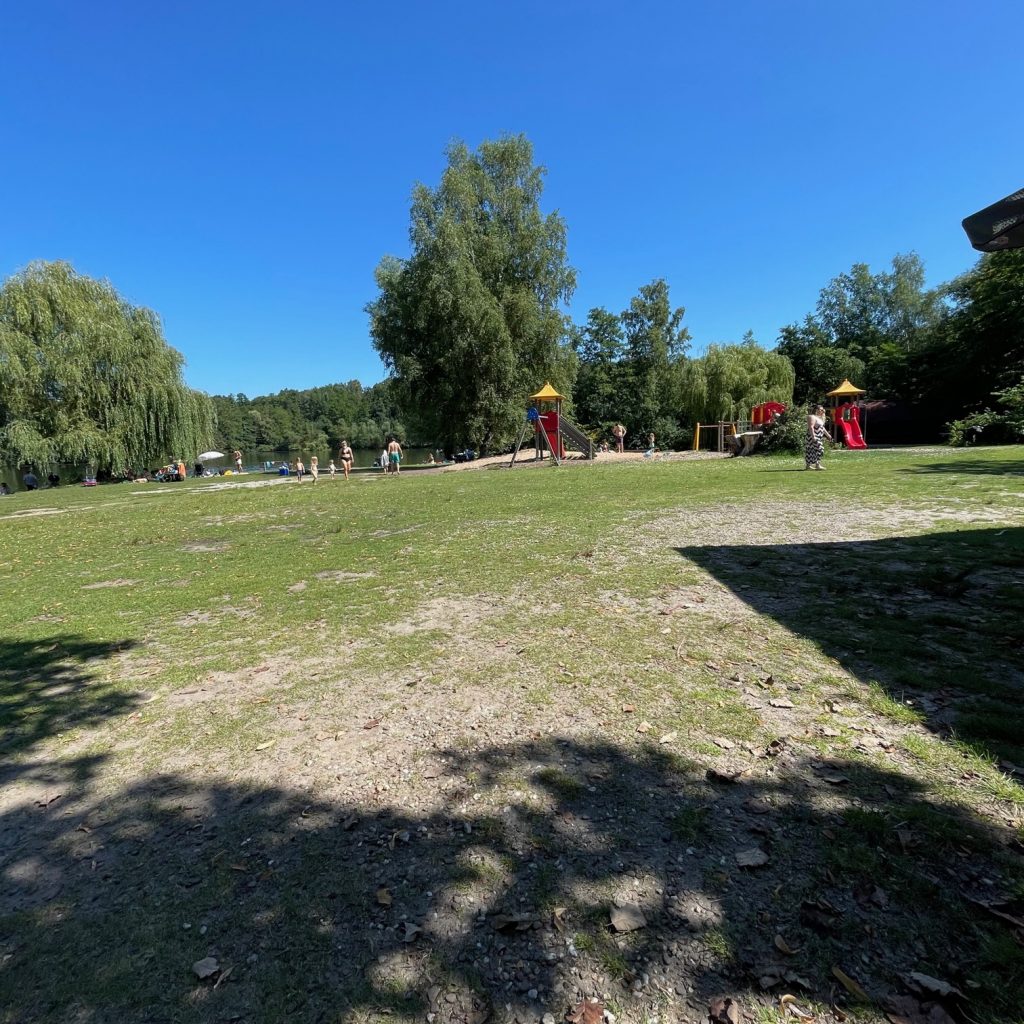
282, 891
931, 623
166, 799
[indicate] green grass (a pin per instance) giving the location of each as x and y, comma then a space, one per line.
495, 626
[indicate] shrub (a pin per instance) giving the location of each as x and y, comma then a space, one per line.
786, 433
1002, 426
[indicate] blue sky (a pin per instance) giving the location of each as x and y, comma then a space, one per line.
241, 168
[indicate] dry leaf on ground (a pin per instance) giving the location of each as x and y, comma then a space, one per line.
789, 1007
266, 745
206, 967
586, 1011
850, 985
753, 857
933, 986
384, 896
724, 1011
783, 946
627, 917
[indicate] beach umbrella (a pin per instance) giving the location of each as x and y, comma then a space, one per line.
210, 455
999, 226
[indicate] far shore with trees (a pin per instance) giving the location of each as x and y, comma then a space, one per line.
475, 318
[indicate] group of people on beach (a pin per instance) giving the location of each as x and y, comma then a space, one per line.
390, 461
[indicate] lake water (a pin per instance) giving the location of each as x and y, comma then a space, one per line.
252, 461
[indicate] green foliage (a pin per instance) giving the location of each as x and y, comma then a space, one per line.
729, 380
471, 322
87, 377
1004, 425
604, 379
944, 350
656, 343
314, 419
818, 364
786, 433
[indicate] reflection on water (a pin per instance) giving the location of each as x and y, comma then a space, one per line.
252, 461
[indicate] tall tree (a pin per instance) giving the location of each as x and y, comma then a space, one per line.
472, 321
729, 380
818, 363
859, 311
87, 377
656, 342
602, 387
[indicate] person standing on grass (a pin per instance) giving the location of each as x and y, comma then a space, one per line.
314, 468
332, 468
299, 468
394, 456
181, 469
237, 456
619, 433
345, 454
814, 447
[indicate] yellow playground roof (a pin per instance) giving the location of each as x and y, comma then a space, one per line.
547, 394
846, 388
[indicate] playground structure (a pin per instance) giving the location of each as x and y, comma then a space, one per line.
739, 437
552, 430
845, 411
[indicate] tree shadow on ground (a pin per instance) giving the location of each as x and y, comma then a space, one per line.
50, 686
491, 897
987, 467
934, 621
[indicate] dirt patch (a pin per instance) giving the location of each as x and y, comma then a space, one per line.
341, 576
103, 584
453, 615
205, 618
28, 513
207, 547
298, 588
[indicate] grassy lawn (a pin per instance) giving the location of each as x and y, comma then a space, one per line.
397, 747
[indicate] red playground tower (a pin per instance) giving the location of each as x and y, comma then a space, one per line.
846, 418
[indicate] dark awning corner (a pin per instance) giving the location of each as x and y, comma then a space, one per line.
999, 226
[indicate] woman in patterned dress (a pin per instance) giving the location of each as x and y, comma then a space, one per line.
814, 447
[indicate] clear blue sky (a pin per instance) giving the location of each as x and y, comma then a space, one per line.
241, 168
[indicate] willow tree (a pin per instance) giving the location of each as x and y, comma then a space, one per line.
87, 377
729, 380
471, 322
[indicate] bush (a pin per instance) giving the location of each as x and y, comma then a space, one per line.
786, 433
1002, 426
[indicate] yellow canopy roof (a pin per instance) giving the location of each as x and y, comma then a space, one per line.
547, 394
846, 388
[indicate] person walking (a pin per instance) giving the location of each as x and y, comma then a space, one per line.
332, 468
619, 433
345, 455
814, 447
394, 456
237, 456
300, 468
314, 468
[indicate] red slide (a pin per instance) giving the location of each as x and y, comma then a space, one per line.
852, 436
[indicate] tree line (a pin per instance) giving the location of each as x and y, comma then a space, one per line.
315, 419
475, 318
